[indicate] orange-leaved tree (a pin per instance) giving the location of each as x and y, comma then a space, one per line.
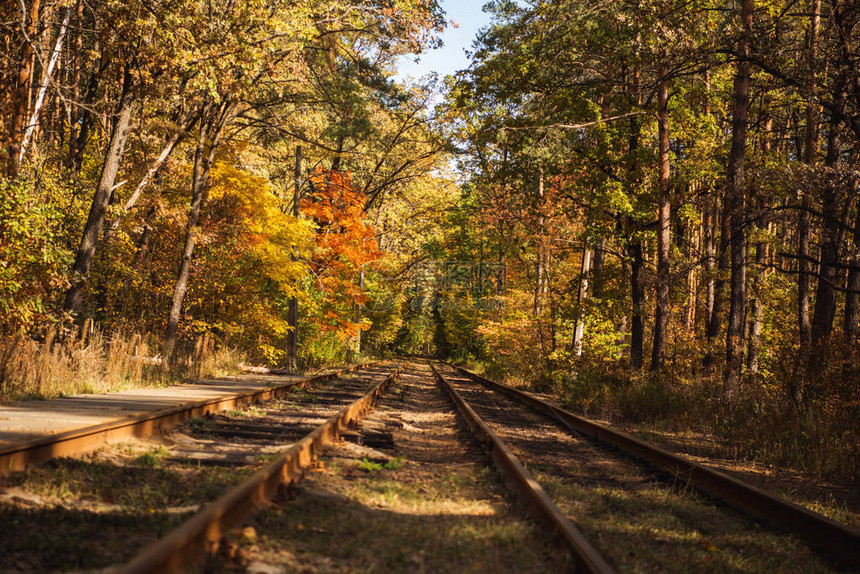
345, 245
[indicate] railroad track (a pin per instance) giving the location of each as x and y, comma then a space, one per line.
177, 496
632, 516
19, 455
408, 490
608, 511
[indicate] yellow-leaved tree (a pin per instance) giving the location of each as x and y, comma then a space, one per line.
251, 263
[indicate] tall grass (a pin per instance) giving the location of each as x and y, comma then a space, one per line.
762, 420
86, 360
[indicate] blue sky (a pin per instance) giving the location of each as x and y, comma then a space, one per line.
452, 55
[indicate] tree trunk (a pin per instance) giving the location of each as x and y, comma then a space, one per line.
756, 305
637, 264
210, 133
145, 235
74, 103
21, 101
540, 269
825, 292
661, 310
637, 324
756, 310
581, 295
851, 323
101, 200
709, 223
710, 254
693, 246
810, 147
43, 88
597, 281
293, 308
715, 321
184, 124
736, 199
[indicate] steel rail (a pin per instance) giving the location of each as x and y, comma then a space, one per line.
526, 487
18, 456
840, 541
201, 534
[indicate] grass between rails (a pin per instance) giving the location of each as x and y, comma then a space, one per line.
89, 361
354, 517
756, 421
758, 426
836, 499
100, 510
649, 528
407, 493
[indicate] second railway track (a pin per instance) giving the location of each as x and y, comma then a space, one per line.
106, 507
638, 517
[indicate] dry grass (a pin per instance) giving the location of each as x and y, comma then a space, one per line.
87, 360
648, 527
806, 453
100, 510
349, 518
412, 496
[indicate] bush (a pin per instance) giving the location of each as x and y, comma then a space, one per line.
33, 262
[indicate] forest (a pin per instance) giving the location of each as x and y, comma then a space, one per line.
648, 208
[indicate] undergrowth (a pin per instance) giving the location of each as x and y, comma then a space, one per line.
776, 418
760, 420
87, 360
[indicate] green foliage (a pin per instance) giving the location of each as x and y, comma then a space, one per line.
32, 257
152, 458
370, 466
394, 464
555, 118
310, 73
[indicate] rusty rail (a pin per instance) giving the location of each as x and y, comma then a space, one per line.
840, 541
201, 534
19, 456
526, 487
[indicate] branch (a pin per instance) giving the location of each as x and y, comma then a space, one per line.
576, 126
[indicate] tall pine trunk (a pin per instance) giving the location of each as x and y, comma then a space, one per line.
709, 220
810, 146
756, 304
661, 310
715, 320
637, 323
74, 104
637, 263
21, 99
597, 266
851, 321
581, 295
736, 199
832, 197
